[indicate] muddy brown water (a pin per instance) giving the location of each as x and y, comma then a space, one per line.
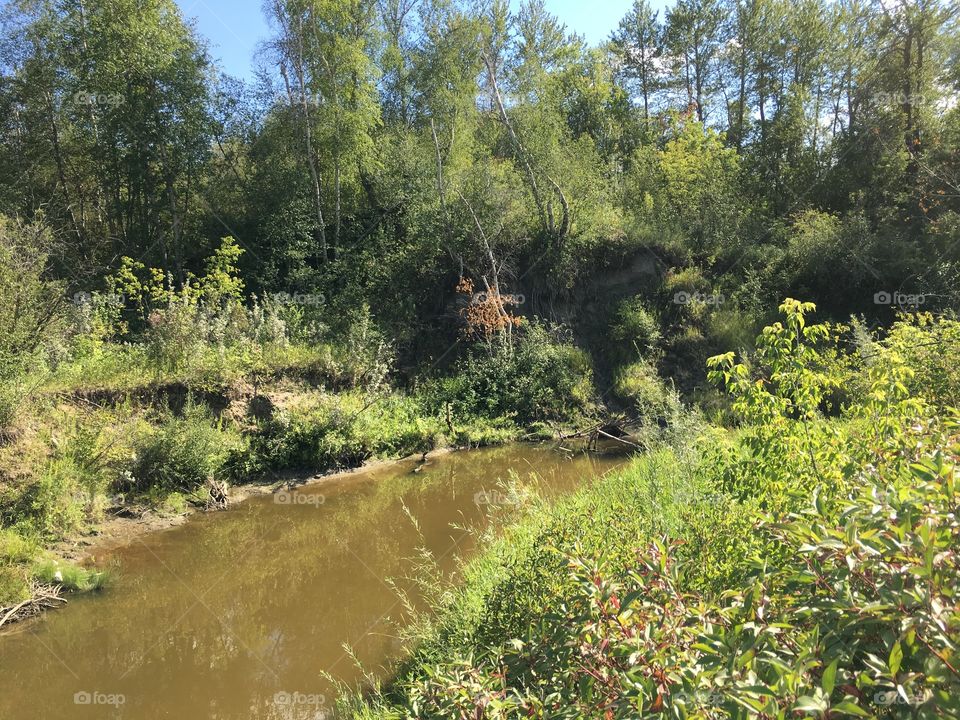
241, 614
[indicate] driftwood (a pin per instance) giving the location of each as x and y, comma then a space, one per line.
41, 598
217, 498
614, 429
586, 432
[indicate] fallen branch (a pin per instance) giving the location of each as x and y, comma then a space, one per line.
42, 597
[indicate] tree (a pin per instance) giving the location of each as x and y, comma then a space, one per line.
110, 102
326, 44
638, 41
693, 37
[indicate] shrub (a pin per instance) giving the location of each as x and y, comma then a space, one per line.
338, 431
14, 584
15, 554
11, 396
367, 357
31, 309
639, 385
537, 378
31, 306
180, 454
635, 329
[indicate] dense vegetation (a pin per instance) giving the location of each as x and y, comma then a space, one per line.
805, 565
437, 223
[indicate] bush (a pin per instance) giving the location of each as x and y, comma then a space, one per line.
31, 309
636, 330
31, 306
338, 431
639, 385
367, 357
15, 554
538, 378
180, 454
11, 397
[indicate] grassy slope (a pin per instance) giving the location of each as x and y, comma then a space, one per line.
717, 501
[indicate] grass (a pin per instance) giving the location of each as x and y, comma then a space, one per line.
72, 578
524, 571
802, 564
119, 368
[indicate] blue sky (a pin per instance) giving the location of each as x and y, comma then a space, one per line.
234, 27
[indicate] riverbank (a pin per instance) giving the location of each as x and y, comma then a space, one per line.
96, 467
117, 531
804, 564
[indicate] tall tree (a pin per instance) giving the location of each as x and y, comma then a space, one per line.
638, 41
693, 38
327, 46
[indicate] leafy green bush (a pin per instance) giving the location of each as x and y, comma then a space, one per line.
31, 309
536, 378
639, 385
337, 431
635, 329
15, 554
32, 305
179, 454
11, 396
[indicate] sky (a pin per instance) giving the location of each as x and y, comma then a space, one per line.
235, 27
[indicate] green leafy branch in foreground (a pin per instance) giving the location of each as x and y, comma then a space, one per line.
867, 625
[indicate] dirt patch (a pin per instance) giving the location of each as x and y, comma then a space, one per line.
173, 395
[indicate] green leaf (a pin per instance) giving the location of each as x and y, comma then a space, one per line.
896, 657
848, 707
807, 704
829, 677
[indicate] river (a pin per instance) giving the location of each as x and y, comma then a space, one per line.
244, 614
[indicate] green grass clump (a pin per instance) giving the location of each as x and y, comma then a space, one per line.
16, 552
70, 577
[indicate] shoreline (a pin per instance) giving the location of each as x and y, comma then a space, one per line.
117, 532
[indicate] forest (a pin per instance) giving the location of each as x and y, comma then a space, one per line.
732, 228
